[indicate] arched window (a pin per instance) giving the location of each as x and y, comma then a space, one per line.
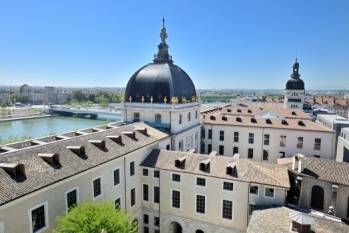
199, 231
317, 198
175, 227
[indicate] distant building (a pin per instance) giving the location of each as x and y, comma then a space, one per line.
50, 95
343, 146
339, 106
294, 92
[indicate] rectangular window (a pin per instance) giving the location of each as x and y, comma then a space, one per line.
132, 168
282, 154
180, 119
176, 199
266, 139
221, 135
133, 197
117, 203
156, 173
145, 192
251, 138
157, 118
221, 150
156, 194
97, 187
189, 116
236, 136
228, 186
146, 219
269, 192
116, 174
200, 204
265, 155
300, 143
227, 210
254, 190
72, 198
196, 114
176, 177
209, 148
282, 140
235, 150
250, 153
201, 181
317, 144
38, 218
210, 134
156, 221
136, 116
145, 229
203, 133
145, 172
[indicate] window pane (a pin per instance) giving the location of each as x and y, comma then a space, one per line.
38, 218
200, 204
145, 192
71, 198
176, 201
227, 211
228, 186
116, 177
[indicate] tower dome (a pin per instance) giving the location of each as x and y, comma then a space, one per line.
295, 83
160, 81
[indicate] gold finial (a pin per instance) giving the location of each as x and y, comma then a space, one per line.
130, 99
165, 99
151, 99
142, 99
174, 100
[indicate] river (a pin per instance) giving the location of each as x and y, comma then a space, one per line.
17, 130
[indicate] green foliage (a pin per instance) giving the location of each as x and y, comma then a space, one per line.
217, 97
101, 97
95, 217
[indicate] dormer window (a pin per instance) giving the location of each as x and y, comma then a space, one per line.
294, 113
238, 119
238, 110
301, 123
231, 169
115, 138
213, 118
253, 120
228, 110
51, 158
130, 134
13, 169
284, 122
249, 111
268, 121
143, 131
224, 118
180, 162
99, 143
78, 150
205, 165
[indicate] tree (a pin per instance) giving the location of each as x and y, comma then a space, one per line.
95, 217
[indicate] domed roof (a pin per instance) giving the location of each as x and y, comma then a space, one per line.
159, 79
295, 83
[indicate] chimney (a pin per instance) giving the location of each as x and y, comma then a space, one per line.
142, 130
301, 222
299, 159
99, 143
50, 158
130, 134
79, 150
13, 169
116, 138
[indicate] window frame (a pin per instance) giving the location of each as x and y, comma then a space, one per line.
132, 168
115, 185
176, 175
47, 224
232, 210
66, 197
173, 207
236, 136
133, 201
200, 178
249, 190
147, 192
93, 189
266, 139
250, 138
228, 182
317, 145
265, 193
196, 203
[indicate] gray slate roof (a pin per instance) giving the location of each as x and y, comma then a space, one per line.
40, 174
247, 170
327, 170
277, 220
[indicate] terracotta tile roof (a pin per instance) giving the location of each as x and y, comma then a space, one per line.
247, 121
327, 170
39, 174
329, 100
247, 170
277, 220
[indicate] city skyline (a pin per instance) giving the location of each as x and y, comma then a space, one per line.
100, 45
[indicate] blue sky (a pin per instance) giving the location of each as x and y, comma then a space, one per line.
221, 43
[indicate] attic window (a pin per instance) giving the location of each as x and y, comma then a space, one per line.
231, 169
239, 110
238, 119
205, 165
284, 122
130, 134
115, 138
224, 118
13, 169
50, 158
79, 150
249, 111
99, 143
294, 113
143, 130
180, 162
261, 109
228, 110
301, 123
253, 120
268, 121
212, 118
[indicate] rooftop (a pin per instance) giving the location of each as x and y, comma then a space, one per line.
246, 170
333, 118
278, 220
76, 154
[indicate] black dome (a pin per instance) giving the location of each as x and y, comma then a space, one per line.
159, 80
295, 82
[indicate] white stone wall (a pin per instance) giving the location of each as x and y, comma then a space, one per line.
342, 143
294, 94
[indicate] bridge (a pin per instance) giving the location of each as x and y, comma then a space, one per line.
86, 113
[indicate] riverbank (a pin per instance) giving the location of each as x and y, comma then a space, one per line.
24, 118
